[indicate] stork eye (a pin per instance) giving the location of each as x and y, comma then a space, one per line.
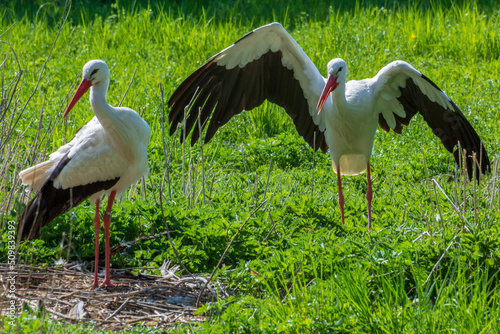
94, 72
340, 69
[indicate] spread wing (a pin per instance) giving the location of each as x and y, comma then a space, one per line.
265, 64
401, 91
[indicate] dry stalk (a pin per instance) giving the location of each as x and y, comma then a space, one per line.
186, 108
468, 227
202, 160
268, 176
118, 309
63, 294
64, 17
130, 84
6, 135
438, 207
226, 250
440, 258
246, 172
404, 215
167, 159
168, 231
428, 185
493, 181
272, 228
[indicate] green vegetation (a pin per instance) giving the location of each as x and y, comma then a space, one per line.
293, 267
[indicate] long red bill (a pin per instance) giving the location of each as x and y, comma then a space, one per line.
330, 85
82, 89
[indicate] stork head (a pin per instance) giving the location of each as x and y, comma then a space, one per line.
337, 71
94, 72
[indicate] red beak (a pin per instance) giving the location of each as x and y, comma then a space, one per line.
330, 86
82, 89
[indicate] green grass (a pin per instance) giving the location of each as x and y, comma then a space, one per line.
294, 267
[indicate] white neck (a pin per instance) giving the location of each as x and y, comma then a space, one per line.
338, 97
103, 111
112, 120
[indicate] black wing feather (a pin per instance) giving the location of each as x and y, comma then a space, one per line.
451, 126
224, 93
50, 202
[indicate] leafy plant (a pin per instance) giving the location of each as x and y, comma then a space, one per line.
294, 267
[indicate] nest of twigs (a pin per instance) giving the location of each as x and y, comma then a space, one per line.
65, 293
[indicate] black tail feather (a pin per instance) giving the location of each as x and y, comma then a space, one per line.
51, 202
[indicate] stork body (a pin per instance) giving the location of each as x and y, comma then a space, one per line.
105, 157
328, 113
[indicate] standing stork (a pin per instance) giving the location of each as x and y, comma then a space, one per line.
106, 156
268, 64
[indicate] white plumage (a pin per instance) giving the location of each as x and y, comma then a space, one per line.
106, 156
268, 64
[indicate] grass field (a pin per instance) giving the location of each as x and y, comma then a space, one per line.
293, 268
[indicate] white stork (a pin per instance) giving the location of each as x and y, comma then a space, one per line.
268, 64
106, 156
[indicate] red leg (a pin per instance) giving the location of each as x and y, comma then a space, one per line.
97, 227
341, 196
369, 195
107, 222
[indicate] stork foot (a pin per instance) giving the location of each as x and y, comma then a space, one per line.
96, 284
107, 284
